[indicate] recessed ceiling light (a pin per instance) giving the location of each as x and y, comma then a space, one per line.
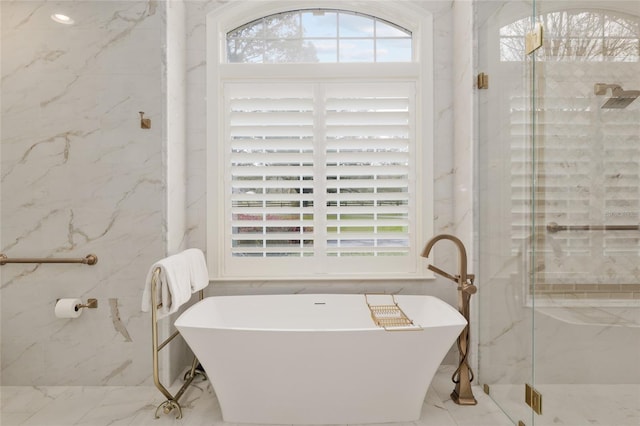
62, 19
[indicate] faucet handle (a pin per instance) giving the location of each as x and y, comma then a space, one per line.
470, 289
443, 273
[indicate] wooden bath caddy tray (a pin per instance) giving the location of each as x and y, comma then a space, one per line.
390, 316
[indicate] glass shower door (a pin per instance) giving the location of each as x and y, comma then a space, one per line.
505, 228
559, 210
586, 248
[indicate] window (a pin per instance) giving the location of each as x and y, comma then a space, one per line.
319, 160
318, 35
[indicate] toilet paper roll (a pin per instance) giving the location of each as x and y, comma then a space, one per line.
66, 308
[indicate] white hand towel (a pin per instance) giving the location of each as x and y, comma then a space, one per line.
198, 269
174, 286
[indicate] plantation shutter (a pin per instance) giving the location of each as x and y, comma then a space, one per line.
320, 178
368, 169
270, 163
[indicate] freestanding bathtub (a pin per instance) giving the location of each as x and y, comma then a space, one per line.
318, 359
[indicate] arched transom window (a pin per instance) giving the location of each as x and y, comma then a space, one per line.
318, 35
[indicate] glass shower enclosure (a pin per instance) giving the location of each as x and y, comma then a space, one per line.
559, 210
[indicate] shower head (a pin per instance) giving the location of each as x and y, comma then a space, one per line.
618, 103
621, 101
619, 98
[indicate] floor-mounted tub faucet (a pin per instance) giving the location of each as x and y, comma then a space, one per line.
462, 377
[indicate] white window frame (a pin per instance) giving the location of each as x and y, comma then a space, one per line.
420, 70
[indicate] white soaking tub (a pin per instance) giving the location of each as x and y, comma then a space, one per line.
318, 359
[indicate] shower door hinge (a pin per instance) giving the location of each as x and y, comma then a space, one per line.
533, 398
533, 40
486, 389
483, 81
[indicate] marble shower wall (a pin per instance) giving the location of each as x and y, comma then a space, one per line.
80, 176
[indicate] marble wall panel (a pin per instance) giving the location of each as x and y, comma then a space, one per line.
80, 176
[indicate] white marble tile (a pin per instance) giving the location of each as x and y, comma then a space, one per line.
482, 414
136, 405
79, 176
574, 405
510, 398
571, 405
434, 412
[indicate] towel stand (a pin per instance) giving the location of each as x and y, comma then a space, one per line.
172, 400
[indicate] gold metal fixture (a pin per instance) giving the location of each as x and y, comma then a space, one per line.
91, 304
521, 423
391, 317
554, 227
619, 98
90, 259
600, 89
533, 40
172, 401
533, 398
486, 389
463, 376
483, 81
145, 123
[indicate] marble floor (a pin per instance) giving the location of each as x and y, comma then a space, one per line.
135, 405
574, 405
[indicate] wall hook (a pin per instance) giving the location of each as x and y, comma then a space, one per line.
145, 123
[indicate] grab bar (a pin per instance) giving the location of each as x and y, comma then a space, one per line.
554, 227
90, 259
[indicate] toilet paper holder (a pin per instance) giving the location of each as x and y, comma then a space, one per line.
91, 304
